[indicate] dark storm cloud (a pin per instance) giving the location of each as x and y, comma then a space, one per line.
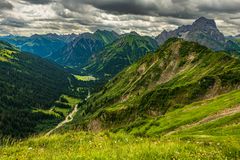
5, 5
221, 6
173, 8
12, 22
126, 7
38, 1
184, 9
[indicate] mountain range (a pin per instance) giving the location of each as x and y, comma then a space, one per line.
41, 45
205, 32
78, 51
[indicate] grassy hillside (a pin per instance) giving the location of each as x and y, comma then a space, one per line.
178, 74
218, 116
28, 84
196, 131
120, 54
81, 145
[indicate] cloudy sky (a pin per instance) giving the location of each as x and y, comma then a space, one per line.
147, 17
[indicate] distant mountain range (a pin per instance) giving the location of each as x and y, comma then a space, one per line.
205, 32
78, 51
41, 45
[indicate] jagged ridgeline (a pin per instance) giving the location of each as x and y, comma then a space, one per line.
178, 74
27, 82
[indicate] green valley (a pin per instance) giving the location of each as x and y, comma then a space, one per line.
30, 87
180, 102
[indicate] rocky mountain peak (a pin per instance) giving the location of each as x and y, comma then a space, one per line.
203, 30
203, 22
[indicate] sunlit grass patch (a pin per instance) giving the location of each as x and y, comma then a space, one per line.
85, 78
6, 55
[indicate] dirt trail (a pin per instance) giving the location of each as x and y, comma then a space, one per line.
68, 119
216, 116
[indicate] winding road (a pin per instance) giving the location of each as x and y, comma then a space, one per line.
68, 119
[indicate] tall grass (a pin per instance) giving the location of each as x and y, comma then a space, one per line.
82, 145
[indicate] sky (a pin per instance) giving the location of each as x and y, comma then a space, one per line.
147, 17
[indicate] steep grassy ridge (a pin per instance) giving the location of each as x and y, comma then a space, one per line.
178, 74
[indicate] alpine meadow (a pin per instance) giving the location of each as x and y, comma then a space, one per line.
119, 80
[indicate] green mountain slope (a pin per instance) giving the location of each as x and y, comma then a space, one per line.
232, 45
178, 74
27, 84
106, 36
217, 116
120, 54
77, 52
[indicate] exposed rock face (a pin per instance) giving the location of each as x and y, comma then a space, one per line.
164, 36
203, 31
